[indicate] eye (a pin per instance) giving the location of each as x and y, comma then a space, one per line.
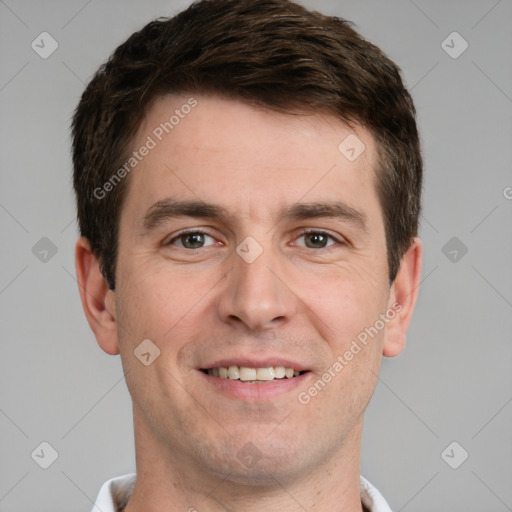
317, 239
191, 240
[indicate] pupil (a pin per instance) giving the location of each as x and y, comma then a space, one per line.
194, 240
317, 239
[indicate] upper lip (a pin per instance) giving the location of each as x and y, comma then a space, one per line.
256, 363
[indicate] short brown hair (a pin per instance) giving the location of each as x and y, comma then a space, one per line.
273, 53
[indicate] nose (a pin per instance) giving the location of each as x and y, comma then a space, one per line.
256, 295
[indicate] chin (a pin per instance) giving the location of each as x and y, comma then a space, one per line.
267, 465
264, 474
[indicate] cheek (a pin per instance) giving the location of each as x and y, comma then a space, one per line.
168, 308
150, 308
154, 298
347, 302
352, 306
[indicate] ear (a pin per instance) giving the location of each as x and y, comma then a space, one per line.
97, 300
402, 299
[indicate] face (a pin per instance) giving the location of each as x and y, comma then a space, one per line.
278, 265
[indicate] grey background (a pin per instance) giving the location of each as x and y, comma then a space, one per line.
453, 383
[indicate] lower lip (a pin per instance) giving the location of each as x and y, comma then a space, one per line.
255, 392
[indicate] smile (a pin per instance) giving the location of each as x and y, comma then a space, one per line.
253, 375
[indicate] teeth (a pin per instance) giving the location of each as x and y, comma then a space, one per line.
233, 372
247, 373
279, 372
252, 375
265, 374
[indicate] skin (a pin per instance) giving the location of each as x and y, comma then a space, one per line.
303, 302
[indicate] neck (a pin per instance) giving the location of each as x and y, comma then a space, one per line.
168, 482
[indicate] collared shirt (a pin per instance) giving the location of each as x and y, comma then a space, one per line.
115, 493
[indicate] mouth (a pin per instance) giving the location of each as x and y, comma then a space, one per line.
255, 380
252, 375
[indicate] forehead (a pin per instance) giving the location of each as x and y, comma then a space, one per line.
248, 158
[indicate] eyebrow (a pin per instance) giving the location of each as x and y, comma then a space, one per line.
339, 210
171, 208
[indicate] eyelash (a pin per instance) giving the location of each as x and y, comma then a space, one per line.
307, 231
303, 232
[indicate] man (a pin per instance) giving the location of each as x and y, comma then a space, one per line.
248, 181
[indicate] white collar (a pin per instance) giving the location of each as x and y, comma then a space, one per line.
114, 494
